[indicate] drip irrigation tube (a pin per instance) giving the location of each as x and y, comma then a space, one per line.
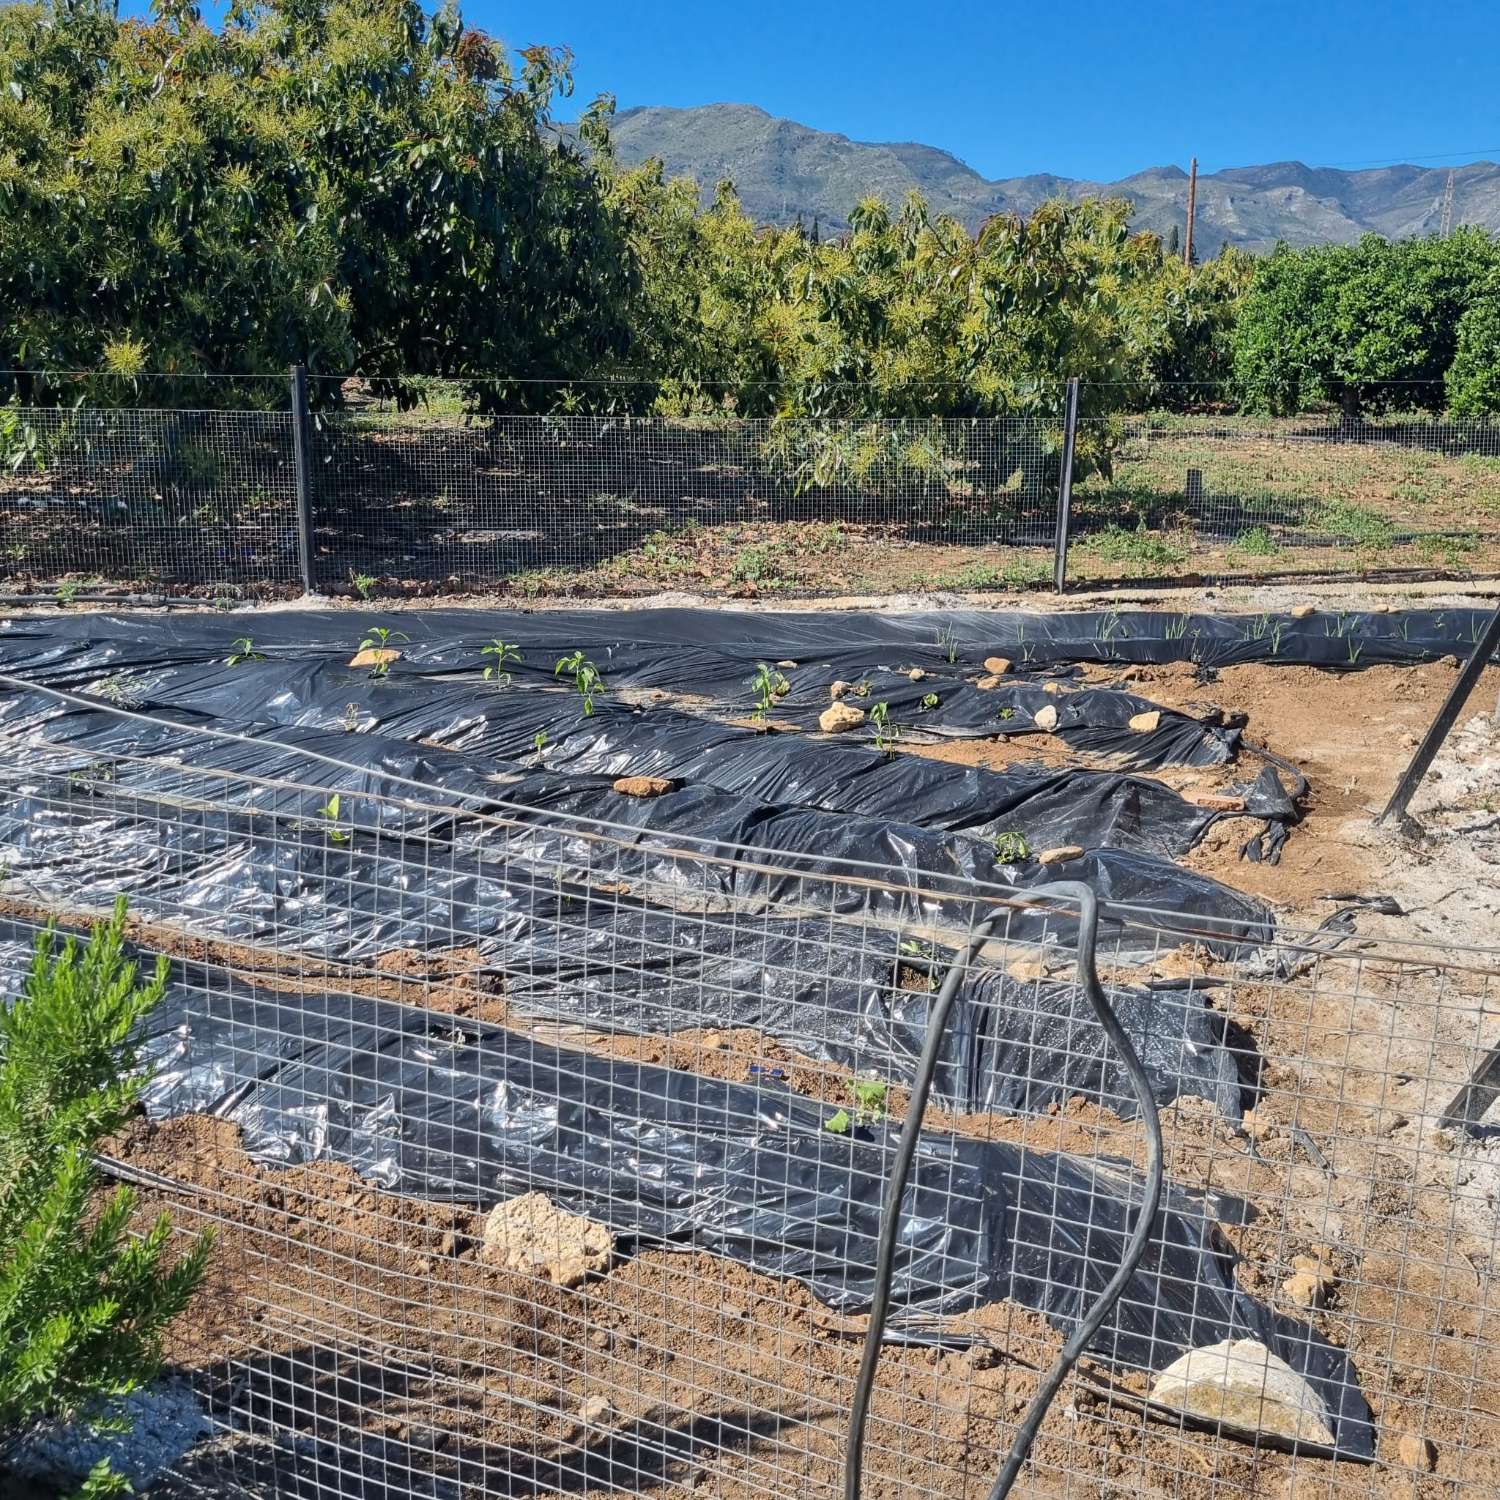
1135, 1249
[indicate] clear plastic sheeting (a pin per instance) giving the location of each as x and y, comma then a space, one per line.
432, 1106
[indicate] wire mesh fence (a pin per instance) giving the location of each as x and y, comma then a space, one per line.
547, 1156
441, 498
615, 503
192, 497
1220, 497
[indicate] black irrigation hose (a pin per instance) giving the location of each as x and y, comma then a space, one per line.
1088, 931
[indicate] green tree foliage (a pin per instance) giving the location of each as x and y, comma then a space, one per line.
82, 1305
347, 182
907, 315
1369, 326
1473, 379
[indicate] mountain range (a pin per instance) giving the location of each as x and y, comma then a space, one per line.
784, 171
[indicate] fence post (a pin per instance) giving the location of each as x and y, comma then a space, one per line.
1065, 489
302, 458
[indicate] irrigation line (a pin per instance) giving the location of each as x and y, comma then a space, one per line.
1088, 932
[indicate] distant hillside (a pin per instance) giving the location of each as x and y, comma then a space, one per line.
783, 169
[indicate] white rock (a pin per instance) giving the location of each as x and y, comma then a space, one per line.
1144, 723
1243, 1382
1045, 718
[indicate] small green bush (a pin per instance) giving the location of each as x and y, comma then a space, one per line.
83, 1305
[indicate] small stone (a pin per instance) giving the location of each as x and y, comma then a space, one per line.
1060, 855
786, 664
1408, 741
375, 657
916, 674
1144, 723
734, 1312
982, 1357
1243, 1382
1448, 661
643, 786
601, 1338
448, 1244
838, 689
933, 1355
987, 683
1302, 611
840, 717
1382, 609
532, 1235
1045, 718
1026, 970
997, 666
1306, 1289
1414, 1451
1054, 688
594, 1410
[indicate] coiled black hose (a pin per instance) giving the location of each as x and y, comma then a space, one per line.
1074, 892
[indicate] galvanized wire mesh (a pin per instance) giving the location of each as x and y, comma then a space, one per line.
619, 502
375, 990
186, 498
1226, 496
441, 499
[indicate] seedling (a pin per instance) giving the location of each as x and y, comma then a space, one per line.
1008, 712
504, 653
1354, 650
585, 676
539, 741
244, 650
768, 685
363, 583
947, 639
1011, 847
379, 640
67, 590
930, 701
886, 733
871, 1098
351, 717
862, 689
329, 812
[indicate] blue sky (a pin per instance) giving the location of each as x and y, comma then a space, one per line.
1085, 90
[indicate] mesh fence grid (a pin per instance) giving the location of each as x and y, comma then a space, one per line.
195, 498
432, 500
415, 1011
616, 502
1226, 497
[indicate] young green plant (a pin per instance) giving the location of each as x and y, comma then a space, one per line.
244, 650
379, 641
585, 675
768, 685
886, 732
871, 1104
504, 653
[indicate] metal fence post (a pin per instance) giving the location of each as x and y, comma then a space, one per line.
302, 457
1065, 489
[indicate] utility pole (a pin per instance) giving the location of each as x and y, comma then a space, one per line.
1187, 249
1446, 225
